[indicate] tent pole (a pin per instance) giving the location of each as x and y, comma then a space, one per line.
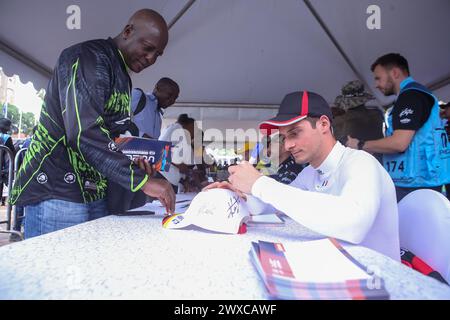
181, 13
225, 105
435, 85
338, 46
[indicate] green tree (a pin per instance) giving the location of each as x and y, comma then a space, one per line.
13, 114
27, 119
27, 123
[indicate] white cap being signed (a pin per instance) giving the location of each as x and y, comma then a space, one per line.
219, 210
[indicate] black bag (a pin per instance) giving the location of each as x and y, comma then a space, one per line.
141, 104
133, 129
119, 200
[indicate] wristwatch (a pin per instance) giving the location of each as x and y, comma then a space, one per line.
361, 144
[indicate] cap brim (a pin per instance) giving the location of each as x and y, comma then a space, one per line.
281, 120
176, 221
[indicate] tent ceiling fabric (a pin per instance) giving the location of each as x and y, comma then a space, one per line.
417, 29
245, 51
11, 66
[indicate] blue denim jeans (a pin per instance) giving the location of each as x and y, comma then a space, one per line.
52, 215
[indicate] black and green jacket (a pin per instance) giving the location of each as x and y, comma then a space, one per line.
72, 153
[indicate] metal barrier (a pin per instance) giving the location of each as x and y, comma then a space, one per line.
16, 160
10, 218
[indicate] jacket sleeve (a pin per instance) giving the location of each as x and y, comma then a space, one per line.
87, 91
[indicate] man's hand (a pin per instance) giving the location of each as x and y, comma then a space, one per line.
352, 142
161, 189
145, 165
243, 176
224, 185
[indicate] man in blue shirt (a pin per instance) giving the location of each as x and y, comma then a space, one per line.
415, 150
148, 120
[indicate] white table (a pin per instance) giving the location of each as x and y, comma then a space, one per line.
133, 257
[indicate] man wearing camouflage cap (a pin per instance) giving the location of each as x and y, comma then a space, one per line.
353, 95
358, 120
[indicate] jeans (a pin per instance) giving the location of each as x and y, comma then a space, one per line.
52, 215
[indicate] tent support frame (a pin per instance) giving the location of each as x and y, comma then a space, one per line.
337, 45
25, 59
181, 13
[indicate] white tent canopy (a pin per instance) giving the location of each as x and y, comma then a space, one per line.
246, 52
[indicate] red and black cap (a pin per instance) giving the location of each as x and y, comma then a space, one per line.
295, 107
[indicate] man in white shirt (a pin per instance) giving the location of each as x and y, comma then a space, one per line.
343, 193
180, 134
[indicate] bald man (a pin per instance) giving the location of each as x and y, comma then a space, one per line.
72, 157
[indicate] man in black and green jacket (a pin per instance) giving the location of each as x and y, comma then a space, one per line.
63, 178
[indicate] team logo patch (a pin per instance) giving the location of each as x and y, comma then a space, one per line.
112, 146
123, 121
405, 121
89, 185
42, 178
69, 177
405, 112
